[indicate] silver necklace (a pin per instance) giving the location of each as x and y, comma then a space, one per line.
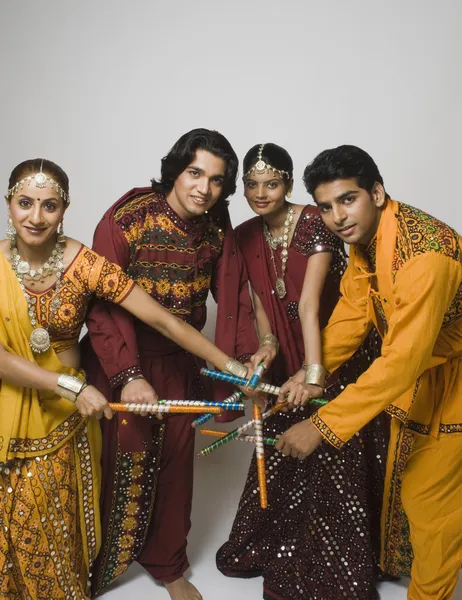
39, 339
280, 283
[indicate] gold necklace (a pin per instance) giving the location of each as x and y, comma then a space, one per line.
280, 283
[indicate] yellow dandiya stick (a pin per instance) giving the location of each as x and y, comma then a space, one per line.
260, 455
162, 408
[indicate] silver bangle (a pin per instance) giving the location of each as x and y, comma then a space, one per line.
236, 368
69, 387
315, 375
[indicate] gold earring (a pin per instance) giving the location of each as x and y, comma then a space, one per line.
289, 194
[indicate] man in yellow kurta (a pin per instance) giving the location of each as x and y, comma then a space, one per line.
404, 277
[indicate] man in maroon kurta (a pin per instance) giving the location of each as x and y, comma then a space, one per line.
175, 240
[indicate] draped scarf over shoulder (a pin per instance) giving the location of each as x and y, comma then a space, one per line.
32, 423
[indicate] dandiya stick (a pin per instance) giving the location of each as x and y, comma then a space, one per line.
204, 418
238, 431
268, 441
261, 387
162, 408
203, 403
260, 453
255, 379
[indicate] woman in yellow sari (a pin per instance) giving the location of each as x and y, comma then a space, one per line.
49, 438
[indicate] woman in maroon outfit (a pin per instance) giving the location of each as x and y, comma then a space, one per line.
319, 538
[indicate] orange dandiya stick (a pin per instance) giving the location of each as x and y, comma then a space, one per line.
268, 441
163, 408
260, 454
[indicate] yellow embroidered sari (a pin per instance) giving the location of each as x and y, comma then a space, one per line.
49, 474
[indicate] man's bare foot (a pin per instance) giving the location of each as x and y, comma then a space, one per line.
182, 589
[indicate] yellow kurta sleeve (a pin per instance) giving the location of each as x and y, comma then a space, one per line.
424, 289
349, 323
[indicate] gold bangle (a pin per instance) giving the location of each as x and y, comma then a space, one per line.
236, 368
270, 339
315, 375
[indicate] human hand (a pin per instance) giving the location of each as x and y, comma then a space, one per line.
91, 403
300, 440
139, 391
296, 392
265, 354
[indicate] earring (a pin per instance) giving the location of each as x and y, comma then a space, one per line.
289, 194
10, 232
61, 237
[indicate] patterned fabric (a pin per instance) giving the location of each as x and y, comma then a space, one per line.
129, 512
320, 532
419, 233
88, 274
180, 275
41, 538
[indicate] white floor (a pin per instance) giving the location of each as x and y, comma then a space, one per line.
219, 479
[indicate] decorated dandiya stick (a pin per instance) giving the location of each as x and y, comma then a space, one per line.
268, 441
203, 403
232, 435
162, 408
255, 379
260, 454
261, 387
204, 418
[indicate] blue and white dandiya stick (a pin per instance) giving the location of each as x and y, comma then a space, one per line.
261, 387
204, 418
255, 379
203, 403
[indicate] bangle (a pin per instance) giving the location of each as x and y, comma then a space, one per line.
69, 387
236, 368
130, 379
270, 339
315, 375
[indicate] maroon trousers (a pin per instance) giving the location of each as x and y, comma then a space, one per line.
147, 464
164, 552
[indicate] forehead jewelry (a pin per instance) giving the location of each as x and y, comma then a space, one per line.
41, 181
261, 166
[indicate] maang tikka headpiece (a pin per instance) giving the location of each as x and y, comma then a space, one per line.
261, 167
41, 181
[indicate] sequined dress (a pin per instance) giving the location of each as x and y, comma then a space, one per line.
49, 466
319, 538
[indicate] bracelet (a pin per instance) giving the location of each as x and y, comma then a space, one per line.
69, 387
315, 375
85, 385
132, 378
270, 339
236, 368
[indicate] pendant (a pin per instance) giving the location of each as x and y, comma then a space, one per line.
281, 287
23, 267
39, 340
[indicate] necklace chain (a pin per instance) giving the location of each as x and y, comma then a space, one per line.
39, 339
273, 244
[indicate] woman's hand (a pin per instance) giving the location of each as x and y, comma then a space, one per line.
91, 403
296, 392
139, 391
265, 354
